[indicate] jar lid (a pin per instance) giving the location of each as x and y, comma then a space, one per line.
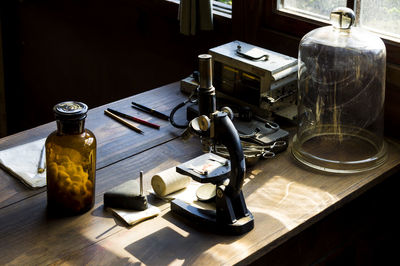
70, 110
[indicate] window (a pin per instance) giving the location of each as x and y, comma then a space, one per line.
229, 2
223, 8
315, 9
380, 16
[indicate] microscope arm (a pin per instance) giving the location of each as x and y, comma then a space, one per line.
226, 134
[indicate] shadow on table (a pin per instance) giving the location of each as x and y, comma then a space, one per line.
183, 242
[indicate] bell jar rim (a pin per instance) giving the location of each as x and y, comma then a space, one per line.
336, 166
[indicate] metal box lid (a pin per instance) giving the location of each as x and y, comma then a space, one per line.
276, 67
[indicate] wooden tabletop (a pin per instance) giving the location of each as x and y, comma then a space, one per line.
284, 197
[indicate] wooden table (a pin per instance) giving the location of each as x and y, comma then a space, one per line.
284, 197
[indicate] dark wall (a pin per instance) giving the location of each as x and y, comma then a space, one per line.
92, 51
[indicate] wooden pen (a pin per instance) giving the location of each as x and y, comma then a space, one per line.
132, 118
122, 121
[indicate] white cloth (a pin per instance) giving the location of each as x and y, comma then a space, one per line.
22, 162
132, 217
195, 15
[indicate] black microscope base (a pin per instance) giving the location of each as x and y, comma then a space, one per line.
207, 219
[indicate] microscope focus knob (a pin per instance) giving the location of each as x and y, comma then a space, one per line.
199, 124
229, 111
204, 122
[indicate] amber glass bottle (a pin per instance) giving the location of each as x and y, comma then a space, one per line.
71, 161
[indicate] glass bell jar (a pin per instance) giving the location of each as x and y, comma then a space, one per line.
341, 80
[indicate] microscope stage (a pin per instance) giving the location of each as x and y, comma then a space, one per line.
207, 168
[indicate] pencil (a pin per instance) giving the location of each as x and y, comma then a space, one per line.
42, 160
135, 119
150, 111
122, 121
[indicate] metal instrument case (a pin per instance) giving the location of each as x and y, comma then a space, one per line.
266, 86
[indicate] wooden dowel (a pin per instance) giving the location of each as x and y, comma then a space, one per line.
122, 121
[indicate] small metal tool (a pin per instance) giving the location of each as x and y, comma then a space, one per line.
141, 183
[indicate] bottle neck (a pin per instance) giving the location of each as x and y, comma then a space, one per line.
65, 127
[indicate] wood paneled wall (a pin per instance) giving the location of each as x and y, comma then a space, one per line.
93, 51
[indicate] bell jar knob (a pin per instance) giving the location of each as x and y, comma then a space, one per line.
342, 18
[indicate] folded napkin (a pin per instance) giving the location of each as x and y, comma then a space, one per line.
132, 217
22, 162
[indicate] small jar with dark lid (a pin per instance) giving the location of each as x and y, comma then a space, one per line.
71, 161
